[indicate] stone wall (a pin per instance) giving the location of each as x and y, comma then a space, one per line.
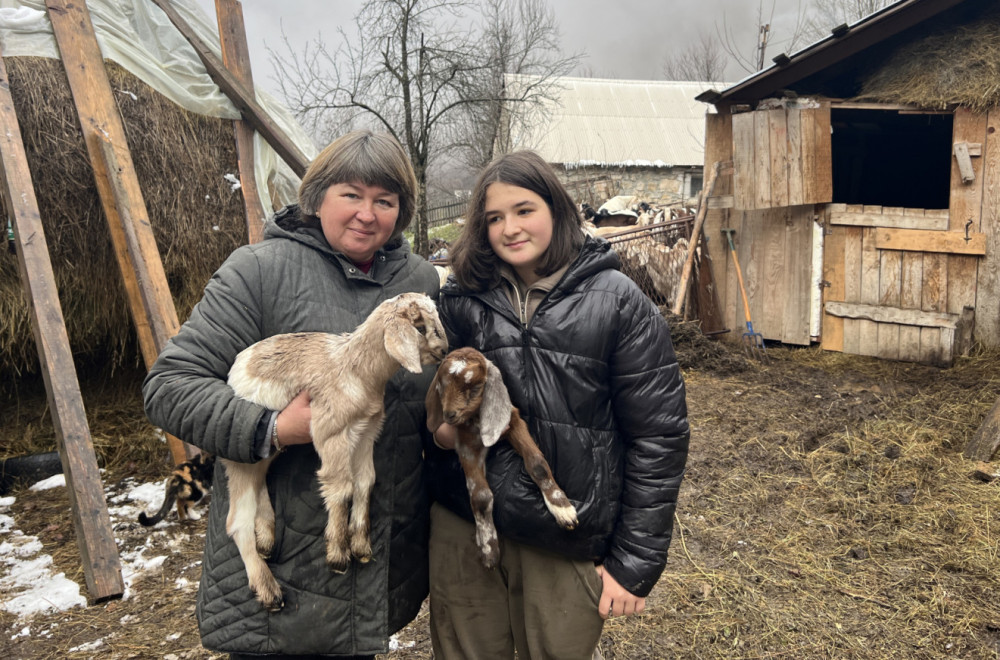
658, 186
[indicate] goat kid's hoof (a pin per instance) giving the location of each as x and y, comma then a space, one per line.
270, 598
361, 545
338, 561
565, 515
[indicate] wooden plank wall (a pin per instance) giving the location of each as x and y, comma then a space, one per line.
988, 287
773, 245
781, 157
888, 257
863, 273
719, 147
774, 248
965, 207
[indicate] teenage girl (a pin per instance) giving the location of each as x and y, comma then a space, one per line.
589, 363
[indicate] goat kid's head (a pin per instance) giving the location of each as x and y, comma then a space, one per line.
467, 385
414, 335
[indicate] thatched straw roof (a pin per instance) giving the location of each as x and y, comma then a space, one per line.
958, 66
181, 161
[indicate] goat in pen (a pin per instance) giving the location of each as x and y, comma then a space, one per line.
468, 392
345, 376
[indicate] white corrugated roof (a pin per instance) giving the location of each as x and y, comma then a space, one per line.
621, 122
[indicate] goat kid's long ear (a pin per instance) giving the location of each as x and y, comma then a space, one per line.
402, 342
494, 412
435, 411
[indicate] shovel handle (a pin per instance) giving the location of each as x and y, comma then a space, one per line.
739, 276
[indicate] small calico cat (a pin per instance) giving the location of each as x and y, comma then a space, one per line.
186, 485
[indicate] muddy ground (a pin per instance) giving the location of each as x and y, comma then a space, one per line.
827, 512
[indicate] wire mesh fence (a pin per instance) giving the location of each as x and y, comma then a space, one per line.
653, 256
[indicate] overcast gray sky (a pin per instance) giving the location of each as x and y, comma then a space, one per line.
626, 39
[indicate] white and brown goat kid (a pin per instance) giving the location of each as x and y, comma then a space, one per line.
345, 376
468, 392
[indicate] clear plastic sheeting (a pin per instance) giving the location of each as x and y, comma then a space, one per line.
140, 37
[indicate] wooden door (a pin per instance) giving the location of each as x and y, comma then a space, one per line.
782, 157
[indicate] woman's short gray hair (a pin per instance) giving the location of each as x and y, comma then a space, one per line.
374, 159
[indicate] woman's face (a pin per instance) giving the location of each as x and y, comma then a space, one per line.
519, 227
358, 219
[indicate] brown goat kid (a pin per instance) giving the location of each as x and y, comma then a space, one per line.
345, 376
468, 392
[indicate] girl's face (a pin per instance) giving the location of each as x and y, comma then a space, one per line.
519, 227
358, 219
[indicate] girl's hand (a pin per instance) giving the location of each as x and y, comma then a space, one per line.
293, 421
445, 436
615, 600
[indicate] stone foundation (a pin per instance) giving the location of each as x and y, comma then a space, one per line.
659, 186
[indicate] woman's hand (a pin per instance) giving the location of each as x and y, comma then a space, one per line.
615, 600
445, 436
293, 421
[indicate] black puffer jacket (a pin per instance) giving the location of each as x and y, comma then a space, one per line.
595, 376
294, 281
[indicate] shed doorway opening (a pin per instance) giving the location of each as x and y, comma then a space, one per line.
887, 158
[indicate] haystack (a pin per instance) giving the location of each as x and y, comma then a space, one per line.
959, 65
182, 160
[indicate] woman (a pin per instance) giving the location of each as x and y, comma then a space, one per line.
588, 361
323, 265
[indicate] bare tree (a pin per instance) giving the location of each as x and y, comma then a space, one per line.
704, 62
414, 69
521, 41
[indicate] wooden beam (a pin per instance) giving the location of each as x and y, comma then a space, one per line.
917, 219
915, 240
156, 301
887, 314
898, 107
239, 95
138, 257
236, 58
720, 202
681, 297
964, 162
92, 524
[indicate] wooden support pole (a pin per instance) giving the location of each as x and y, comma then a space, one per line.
92, 524
238, 94
128, 223
699, 220
236, 58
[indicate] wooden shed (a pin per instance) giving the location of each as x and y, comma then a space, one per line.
865, 188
